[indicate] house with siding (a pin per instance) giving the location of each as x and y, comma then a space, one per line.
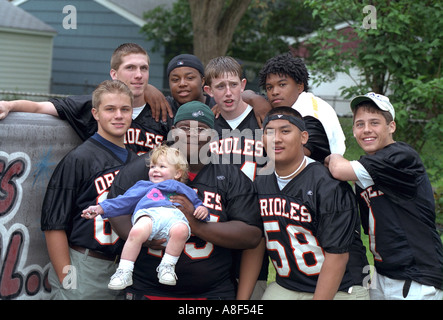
88, 31
26, 51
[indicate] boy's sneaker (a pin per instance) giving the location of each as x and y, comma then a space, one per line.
166, 274
120, 280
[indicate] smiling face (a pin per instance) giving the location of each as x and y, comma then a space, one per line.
190, 138
134, 72
284, 142
186, 84
113, 116
371, 130
161, 170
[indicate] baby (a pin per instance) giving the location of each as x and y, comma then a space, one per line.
154, 215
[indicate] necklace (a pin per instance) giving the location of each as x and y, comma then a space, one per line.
295, 172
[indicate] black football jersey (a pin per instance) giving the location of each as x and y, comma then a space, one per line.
242, 147
144, 134
82, 178
204, 270
311, 215
398, 214
318, 143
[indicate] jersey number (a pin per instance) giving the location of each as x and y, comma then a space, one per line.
100, 234
372, 236
309, 245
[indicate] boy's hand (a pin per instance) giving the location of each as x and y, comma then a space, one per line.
4, 109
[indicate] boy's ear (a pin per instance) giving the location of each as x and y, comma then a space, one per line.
243, 84
113, 74
94, 112
304, 137
392, 127
208, 90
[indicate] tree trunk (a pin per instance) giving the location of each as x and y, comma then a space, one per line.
213, 25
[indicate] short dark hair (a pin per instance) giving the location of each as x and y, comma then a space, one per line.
284, 110
285, 113
123, 50
371, 107
285, 64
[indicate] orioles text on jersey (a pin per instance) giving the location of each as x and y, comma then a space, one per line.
232, 145
212, 200
369, 193
135, 136
238, 142
103, 183
277, 207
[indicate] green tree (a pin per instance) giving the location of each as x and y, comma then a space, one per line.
203, 27
170, 28
258, 36
262, 32
399, 53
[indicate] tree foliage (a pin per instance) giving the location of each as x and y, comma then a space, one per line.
170, 28
258, 36
399, 54
261, 33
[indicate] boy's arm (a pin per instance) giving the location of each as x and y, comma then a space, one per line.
58, 249
231, 234
251, 263
259, 103
26, 106
158, 103
331, 275
340, 168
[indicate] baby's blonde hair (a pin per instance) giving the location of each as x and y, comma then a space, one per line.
173, 156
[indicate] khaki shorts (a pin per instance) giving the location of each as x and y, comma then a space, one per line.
87, 280
277, 292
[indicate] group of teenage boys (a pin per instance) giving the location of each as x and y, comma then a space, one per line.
271, 173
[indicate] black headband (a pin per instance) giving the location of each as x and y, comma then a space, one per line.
299, 123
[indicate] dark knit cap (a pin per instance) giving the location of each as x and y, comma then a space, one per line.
185, 60
197, 111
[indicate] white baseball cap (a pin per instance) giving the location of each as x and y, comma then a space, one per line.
380, 100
